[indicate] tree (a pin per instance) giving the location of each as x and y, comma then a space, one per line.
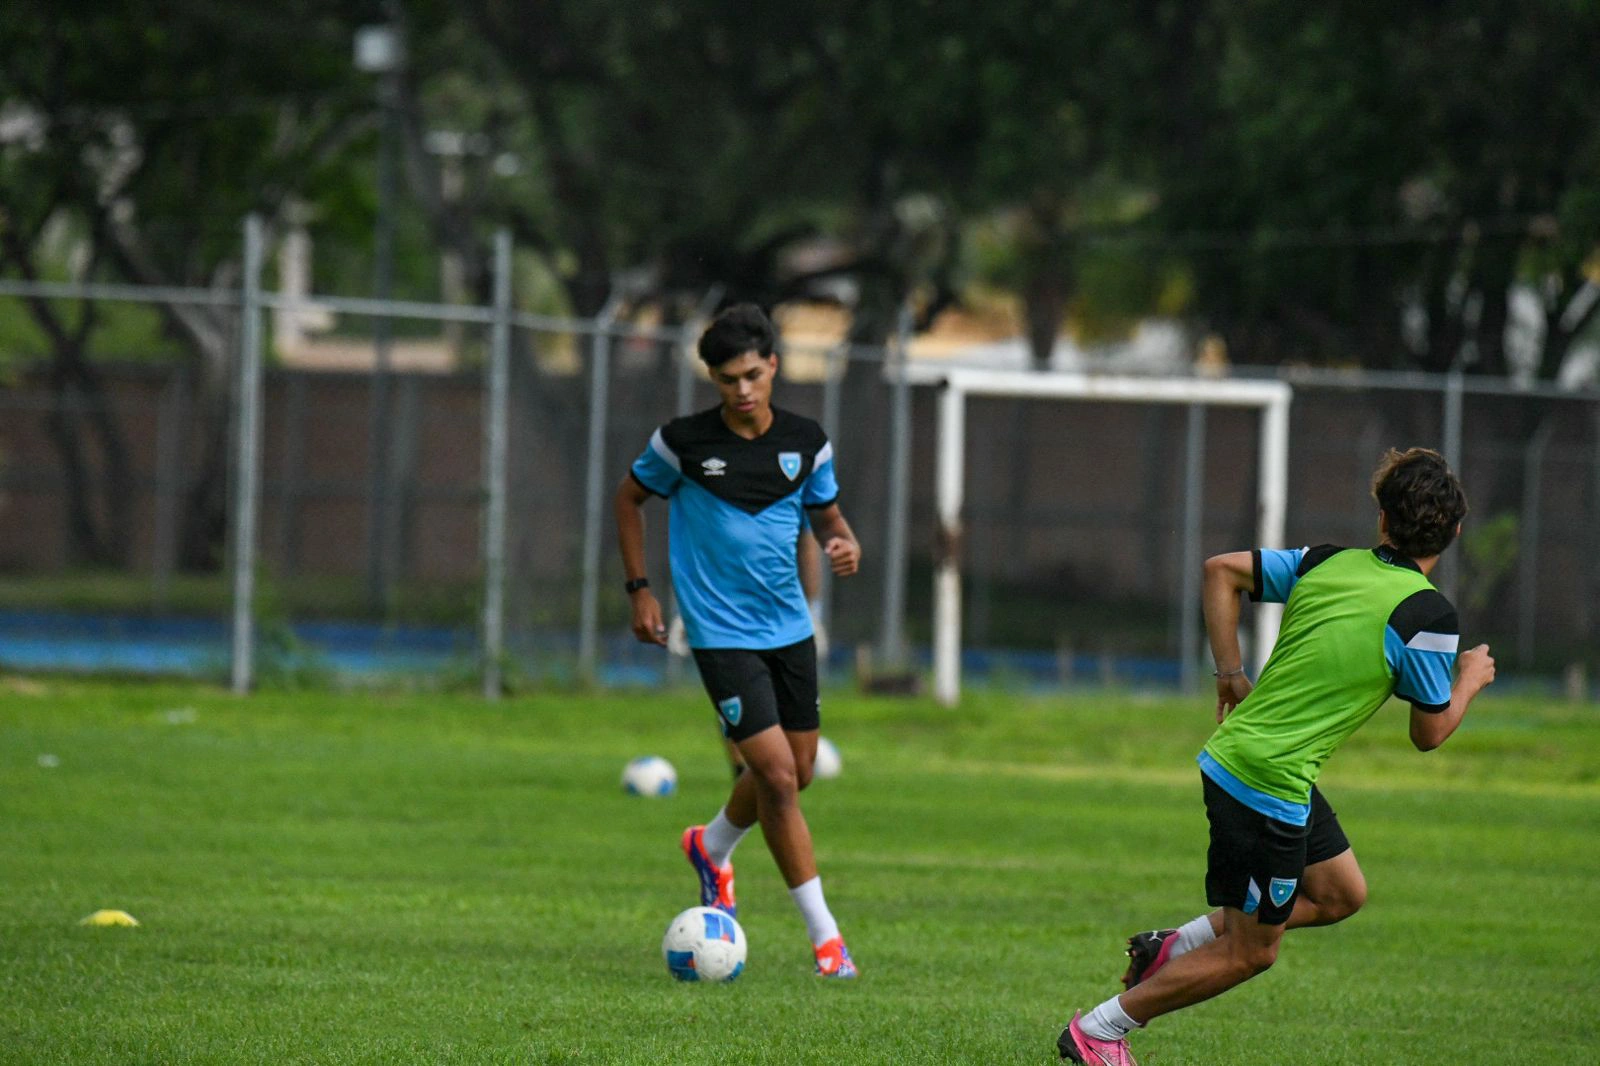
1328, 172
153, 130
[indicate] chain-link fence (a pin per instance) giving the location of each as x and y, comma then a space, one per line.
387, 543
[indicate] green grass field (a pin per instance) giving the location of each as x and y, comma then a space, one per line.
379, 878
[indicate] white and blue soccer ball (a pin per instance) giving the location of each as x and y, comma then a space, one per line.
704, 944
827, 764
649, 775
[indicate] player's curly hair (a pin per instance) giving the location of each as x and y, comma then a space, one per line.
1422, 498
741, 328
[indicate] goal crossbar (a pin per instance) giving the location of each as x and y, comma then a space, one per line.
1272, 398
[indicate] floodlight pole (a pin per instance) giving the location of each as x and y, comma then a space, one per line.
380, 50
247, 461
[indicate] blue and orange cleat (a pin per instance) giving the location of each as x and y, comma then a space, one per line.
716, 882
833, 959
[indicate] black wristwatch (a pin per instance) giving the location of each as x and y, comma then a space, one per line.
633, 585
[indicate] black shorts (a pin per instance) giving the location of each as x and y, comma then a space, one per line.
1255, 862
756, 690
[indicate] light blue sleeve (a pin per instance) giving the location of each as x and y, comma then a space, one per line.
1420, 644
657, 467
1423, 667
821, 488
1277, 571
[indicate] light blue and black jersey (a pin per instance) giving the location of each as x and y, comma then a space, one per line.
736, 509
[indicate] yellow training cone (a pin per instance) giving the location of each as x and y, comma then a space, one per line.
109, 918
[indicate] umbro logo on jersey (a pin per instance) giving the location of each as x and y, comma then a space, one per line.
713, 467
789, 463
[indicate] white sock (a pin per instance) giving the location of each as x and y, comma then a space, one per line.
721, 837
1107, 1021
1191, 935
814, 909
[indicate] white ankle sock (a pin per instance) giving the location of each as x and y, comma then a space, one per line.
1194, 934
1107, 1021
820, 925
722, 836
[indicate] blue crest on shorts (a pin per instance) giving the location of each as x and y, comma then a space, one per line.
789, 463
1281, 889
731, 709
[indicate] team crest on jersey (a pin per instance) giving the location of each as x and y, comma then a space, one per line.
713, 467
731, 709
789, 463
1281, 889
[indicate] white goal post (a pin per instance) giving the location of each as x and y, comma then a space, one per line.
957, 383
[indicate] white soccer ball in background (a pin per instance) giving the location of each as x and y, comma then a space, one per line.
649, 775
827, 763
704, 944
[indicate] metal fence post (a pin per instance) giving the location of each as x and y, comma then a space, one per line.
834, 368
1528, 538
893, 649
496, 398
1189, 581
1449, 577
247, 461
599, 388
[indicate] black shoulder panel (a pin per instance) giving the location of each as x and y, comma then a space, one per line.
1315, 557
751, 475
1424, 611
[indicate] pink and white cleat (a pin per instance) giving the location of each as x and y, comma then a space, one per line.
1147, 953
1077, 1046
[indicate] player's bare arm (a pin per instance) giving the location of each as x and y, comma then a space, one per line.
629, 507
838, 541
1475, 672
1227, 576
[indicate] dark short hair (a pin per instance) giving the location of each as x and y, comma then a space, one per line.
1424, 501
741, 328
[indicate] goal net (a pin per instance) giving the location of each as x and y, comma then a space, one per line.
958, 384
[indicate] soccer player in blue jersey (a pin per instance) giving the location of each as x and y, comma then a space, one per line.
739, 479
1359, 625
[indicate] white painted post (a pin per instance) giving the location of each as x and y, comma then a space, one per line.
947, 574
1273, 492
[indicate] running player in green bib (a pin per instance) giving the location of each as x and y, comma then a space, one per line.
1360, 625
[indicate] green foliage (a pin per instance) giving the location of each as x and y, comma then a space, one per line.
381, 877
1489, 549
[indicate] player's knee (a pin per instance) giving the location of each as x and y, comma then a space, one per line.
1349, 900
1251, 959
802, 777
780, 782
1341, 901
1260, 957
